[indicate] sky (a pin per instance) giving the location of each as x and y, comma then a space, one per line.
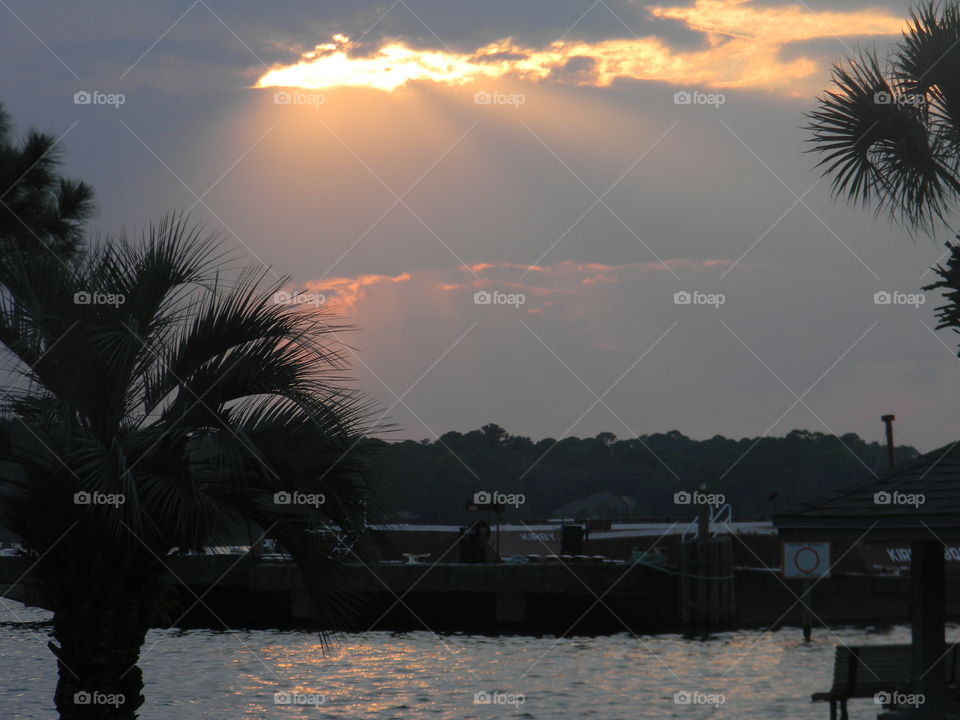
561, 216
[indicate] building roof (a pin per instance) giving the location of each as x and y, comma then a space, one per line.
919, 500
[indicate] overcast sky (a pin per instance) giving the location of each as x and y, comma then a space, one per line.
421, 151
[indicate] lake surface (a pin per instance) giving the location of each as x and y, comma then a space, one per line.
231, 675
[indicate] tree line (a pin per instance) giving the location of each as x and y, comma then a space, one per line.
432, 481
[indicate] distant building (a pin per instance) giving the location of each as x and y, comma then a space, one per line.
603, 504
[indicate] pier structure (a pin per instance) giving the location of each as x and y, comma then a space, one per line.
707, 578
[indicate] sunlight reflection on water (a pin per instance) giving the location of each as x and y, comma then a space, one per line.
229, 675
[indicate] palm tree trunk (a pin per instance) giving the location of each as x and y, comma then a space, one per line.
97, 644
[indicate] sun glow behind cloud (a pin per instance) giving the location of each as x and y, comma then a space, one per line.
743, 49
393, 65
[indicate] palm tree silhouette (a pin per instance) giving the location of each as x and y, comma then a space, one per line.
890, 136
162, 404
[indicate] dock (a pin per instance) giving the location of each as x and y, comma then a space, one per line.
575, 597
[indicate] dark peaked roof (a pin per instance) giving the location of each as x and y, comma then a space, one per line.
918, 500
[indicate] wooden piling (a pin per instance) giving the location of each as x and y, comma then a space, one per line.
707, 593
713, 586
806, 616
686, 586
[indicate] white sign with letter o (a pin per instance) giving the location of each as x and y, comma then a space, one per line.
806, 560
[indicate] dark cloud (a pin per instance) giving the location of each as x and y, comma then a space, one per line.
577, 70
464, 26
496, 57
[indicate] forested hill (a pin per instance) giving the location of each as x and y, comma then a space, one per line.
431, 481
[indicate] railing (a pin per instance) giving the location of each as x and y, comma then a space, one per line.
723, 514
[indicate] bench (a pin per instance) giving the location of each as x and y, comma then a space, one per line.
864, 670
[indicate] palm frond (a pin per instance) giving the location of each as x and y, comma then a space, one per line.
875, 143
196, 399
927, 64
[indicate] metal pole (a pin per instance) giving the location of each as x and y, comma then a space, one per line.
888, 421
703, 518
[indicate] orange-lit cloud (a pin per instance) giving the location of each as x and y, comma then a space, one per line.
345, 292
598, 269
363, 294
744, 45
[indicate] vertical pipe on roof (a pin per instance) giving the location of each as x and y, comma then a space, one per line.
888, 421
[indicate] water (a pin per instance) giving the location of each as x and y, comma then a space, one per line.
231, 675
